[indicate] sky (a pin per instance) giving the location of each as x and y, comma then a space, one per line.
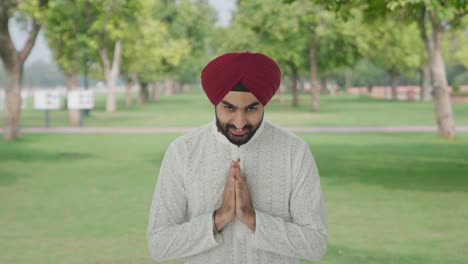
41, 51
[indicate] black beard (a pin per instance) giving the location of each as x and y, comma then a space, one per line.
236, 140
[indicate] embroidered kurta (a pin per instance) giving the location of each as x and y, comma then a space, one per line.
285, 191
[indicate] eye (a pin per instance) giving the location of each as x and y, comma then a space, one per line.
251, 109
229, 108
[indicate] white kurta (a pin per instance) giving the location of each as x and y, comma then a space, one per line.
284, 186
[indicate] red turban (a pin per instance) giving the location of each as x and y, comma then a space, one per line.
258, 73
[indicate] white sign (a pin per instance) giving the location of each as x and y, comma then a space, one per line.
24, 100
80, 100
47, 100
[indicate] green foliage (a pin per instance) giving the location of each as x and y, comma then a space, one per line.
36, 10
395, 46
170, 40
455, 45
285, 32
110, 22
149, 45
67, 33
191, 23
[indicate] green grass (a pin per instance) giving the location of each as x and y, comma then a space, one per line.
193, 109
391, 198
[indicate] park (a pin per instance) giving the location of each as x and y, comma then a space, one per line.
391, 146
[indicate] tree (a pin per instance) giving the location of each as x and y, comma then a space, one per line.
111, 20
150, 49
31, 13
300, 35
434, 18
66, 30
190, 23
396, 48
270, 28
194, 22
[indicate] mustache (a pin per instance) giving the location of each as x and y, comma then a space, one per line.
248, 126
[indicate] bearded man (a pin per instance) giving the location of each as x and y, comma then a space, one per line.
239, 189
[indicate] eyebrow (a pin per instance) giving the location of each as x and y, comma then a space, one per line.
233, 106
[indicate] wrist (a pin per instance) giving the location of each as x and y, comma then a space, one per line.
219, 220
249, 220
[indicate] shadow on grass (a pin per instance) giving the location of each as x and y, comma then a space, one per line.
425, 167
7, 177
19, 154
346, 255
32, 155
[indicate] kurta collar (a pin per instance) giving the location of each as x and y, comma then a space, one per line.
220, 137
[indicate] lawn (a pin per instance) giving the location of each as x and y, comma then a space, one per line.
193, 108
391, 198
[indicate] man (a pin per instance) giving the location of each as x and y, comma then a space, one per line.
238, 190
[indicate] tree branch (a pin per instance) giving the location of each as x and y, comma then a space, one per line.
105, 60
23, 54
7, 48
117, 52
458, 17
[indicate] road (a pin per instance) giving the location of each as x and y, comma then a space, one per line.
154, 130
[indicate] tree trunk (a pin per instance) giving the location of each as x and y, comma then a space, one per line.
300, 88
394, 79
177, 87
144, 93
13, 61
12, 109
186, 87
282, 91
441, 97
156, 92
333, 87
293, 83
425, 82
443, 105
111, 72
71, 82
129, 90
347, 79
168, 87
313, 77
323, 86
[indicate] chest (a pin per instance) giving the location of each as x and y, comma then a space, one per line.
267, 173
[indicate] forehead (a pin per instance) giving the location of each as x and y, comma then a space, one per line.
240, 98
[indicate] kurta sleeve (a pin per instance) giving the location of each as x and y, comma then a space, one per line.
306, 235
170, 234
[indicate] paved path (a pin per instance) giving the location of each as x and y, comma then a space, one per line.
146, 130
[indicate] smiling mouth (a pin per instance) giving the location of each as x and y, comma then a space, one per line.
238, 132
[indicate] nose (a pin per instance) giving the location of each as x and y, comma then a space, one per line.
240, 120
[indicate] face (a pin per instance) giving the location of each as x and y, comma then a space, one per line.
238, 116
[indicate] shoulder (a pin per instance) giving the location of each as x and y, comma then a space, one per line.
186, 141
284, 136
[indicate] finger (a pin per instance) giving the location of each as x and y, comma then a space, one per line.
230, 176
239, 175
237, 188
236, 172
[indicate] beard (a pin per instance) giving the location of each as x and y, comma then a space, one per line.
235, 139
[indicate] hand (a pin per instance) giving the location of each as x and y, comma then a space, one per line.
244, 209
226, 213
